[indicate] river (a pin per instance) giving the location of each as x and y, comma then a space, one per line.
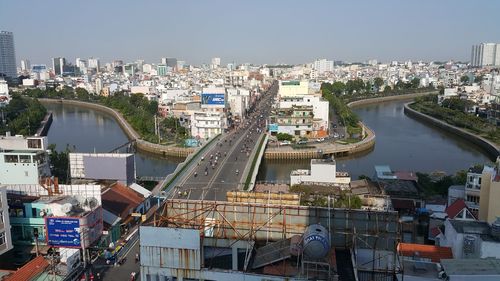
402, 142
87, 130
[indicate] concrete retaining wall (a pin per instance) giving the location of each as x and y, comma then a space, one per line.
491, 148
142, 145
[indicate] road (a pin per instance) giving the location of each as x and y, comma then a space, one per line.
222, 168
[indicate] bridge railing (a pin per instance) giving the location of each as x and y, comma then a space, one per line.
258, 153
170, 180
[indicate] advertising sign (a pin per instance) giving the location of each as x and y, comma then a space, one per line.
273, 128
63, 232
212, 99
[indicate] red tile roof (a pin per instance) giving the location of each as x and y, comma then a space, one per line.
29, 270
456, 207
434, 253
119, 199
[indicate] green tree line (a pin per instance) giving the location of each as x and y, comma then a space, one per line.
22, 116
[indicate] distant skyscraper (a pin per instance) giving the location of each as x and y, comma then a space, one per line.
58, 65
161, 69
215, 63
322, 66
7, 55
485, 54
25, 65
94, 63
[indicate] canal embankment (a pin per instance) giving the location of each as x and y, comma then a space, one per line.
492, 149
132, 135
45, 125
336, 149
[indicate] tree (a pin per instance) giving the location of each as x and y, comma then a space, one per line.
464, 79
338, 87
284, 137
378, 82
415, 82
59, 163
478, 79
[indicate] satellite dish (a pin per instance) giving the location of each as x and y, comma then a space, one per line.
66, 208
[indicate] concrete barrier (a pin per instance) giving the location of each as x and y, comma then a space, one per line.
254, 169
142, 145
489, 147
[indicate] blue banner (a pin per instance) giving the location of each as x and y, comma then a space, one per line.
63, 232
213, 99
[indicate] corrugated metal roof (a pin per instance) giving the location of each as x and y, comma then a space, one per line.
29, 270
434, 253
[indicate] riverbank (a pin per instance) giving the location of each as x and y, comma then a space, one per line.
132, 135
493, 150
336, 149
358, 103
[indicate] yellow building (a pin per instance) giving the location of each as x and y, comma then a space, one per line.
489, 206
293, 88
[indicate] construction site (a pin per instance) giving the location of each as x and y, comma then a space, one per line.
220, 240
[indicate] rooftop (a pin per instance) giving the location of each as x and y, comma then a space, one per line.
489, 267
29, 270
434, 253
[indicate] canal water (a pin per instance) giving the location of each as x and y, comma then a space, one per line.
87, 130
402, 142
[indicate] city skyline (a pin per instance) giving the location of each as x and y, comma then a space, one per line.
246, 33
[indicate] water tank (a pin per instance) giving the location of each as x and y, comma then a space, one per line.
316, 243
469, 244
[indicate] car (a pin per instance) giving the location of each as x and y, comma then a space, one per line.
285, 142
302, 142
320, 139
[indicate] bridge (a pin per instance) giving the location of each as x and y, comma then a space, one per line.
227, 162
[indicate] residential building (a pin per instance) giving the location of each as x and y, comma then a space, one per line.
94, 63
470, 269
129, 69
206, 125
296, 121
322, 66
23, 160
161, 70
473, 186
489, 209
4, 93
37, 219
293, 89
5, 236
215, 63
485, 54
322, 172
7, 55
320, 110
471, 239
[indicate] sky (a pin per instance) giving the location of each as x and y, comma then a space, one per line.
257, 31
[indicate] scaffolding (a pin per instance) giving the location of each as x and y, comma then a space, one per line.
264, 223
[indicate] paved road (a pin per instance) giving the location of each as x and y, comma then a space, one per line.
210, 181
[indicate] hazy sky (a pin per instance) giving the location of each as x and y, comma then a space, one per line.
250, 31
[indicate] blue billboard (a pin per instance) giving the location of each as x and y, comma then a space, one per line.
213, 99
63, 232
273, 128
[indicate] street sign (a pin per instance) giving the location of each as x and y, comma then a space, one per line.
136, 214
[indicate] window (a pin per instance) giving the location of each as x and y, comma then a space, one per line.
2, 238
34, 212
11, 158
34, 143
25, 158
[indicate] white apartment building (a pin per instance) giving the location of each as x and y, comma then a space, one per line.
5, 237
205, 125
4, 93
322, 66
320, 107
23, 160
485, 54
473, 186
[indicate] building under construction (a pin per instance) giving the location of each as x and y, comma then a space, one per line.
215, 240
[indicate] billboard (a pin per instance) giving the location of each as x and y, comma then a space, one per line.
63, 232
213, 99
